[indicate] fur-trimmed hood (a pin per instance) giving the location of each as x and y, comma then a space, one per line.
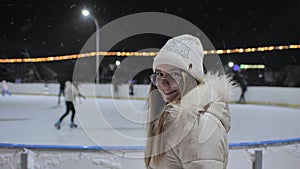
216, 88
211, 96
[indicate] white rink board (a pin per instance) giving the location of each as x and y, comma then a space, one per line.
261, 94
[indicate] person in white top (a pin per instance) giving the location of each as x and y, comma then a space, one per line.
70, 93
5, 89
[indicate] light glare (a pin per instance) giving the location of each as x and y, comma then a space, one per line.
85, 12
118, 62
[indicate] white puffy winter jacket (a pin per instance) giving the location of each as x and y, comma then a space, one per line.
197, 127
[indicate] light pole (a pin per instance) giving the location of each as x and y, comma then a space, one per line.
87, 14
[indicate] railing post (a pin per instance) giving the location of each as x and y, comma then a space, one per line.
257, 162
24, 160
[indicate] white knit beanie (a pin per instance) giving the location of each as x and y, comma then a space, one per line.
184, 52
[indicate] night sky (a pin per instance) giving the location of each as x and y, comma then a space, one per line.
56, 27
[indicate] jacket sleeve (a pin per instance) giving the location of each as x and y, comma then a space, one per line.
205, 146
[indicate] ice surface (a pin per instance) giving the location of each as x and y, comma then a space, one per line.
29, 119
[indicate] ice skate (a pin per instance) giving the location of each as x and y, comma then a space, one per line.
57, 125
73, 125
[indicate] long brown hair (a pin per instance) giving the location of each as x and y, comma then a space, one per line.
156, 118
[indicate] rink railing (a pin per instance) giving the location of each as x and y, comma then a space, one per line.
241, 145
255, 154
29, 153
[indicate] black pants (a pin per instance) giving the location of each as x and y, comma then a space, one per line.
69, 107
242, 96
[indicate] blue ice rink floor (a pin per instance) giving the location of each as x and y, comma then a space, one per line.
28, 119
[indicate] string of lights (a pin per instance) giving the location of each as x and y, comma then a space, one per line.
92, 54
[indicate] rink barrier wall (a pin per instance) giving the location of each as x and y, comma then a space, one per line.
275, 154
277, 96
241, 145
66, 147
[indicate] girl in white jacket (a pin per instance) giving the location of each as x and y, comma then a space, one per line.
188, 111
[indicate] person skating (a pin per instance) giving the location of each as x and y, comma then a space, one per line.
5, 89
70, 93
242, 81
131, 88
61, 90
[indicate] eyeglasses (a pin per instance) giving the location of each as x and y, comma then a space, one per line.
170, 77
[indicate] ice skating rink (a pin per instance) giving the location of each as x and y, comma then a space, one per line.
29, 119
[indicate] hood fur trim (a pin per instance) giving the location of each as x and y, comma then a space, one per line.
216, 88
207, 96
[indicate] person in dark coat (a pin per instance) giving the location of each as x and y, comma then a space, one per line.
242, 81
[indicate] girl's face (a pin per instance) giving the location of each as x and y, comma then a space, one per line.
168, 80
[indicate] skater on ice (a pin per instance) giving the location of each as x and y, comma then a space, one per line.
188, 109
5, 89
243, 83
61, 91
131, 87
70, 93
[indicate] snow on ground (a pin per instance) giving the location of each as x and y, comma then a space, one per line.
29, 119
